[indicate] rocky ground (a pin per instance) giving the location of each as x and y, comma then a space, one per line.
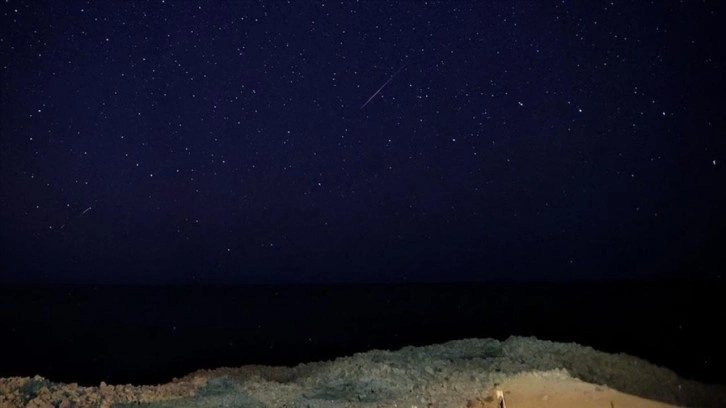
463, 373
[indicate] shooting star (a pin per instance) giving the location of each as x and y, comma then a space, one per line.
381, 88
86, 210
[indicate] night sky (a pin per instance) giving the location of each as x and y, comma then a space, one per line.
238, 142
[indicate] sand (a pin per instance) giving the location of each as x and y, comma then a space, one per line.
553, 390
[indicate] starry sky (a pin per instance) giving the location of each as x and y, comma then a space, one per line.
240, 142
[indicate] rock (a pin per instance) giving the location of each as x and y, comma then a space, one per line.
39, 403
199, 381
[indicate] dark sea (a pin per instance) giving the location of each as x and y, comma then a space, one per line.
151, 334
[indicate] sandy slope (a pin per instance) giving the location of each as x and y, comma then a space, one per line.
554, 390
463, 373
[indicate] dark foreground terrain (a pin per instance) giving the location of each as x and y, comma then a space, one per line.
148, 335
467, 373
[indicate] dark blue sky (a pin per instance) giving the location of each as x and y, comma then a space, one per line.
166, 141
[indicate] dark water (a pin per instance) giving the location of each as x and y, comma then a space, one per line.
134, 334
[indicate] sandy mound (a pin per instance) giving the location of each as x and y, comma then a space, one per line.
532, 373
555, 389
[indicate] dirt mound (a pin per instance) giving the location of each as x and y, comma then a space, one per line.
455, 374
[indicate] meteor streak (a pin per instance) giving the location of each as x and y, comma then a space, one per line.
381, 88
